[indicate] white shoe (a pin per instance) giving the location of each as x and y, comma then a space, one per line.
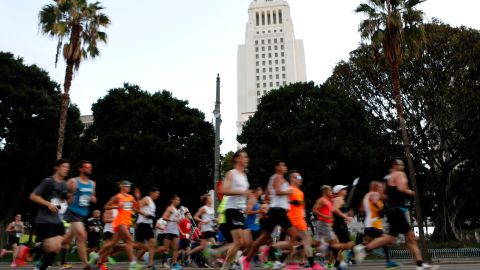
277, 265
360, 253
427, 267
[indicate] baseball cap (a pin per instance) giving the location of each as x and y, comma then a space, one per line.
337, 188
125, 183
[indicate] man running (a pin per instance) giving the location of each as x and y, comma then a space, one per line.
49, 227
236, 187
373, 207
397, 191
340, 220
94, 228
278, 190
172, 216
14, 230
185, 227
82, 191
126, 205
205, 218
144, 231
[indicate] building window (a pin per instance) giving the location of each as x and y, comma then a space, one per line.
263, 41
271, 84
258, 78
256, 63
264, 84
284, 83
256, 41
263, 18
275, 40
282, 54
263, 48
269, 48
283, 68
271, 76
258, 101
276, 54
269, 41
257, 19
269, 62
274, 47
280, 16
264, 77
282, 47
284, 76
264, 92
283, 61
269, 55
281, 39
281, 30
276, 68
278, 83
258, 93
274, 17
263, 55
268, 18
276, 61
276, 76
263, 63
264, 70
256, 56
270, 69
258, 86
256, 49
258, 70
274, 31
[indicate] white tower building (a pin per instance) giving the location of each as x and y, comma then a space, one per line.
271, 56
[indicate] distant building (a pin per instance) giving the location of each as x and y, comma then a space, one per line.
87, 120
271, 56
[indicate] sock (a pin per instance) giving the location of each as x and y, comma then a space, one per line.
63, 255
387, 255
310, 261
419, 263
47, 260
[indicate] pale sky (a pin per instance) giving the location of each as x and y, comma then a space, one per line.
180, 46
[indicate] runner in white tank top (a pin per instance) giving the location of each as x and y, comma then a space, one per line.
205, 218
144, 234
172, 216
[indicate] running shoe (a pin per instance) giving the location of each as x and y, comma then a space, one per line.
102, 266
329, 266
317, 267
244, 264
13, 265
360, 253
264, 251
267, 264
392, 265
277, 265
65, 266
177, 266
427, 267
111, 260
292, 266
92, 257
146, 258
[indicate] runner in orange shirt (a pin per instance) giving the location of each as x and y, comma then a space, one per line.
126, 205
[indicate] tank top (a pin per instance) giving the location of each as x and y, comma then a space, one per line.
208, 216
149, 210
252, 222
325, 210
240, 183
395, 197
296, 211
81, 199
18, 229
125, 211
278, 201
172, 226
372, 217
108, 226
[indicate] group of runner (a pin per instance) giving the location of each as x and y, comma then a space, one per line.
247, 218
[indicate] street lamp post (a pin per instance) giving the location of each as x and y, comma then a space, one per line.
218, 120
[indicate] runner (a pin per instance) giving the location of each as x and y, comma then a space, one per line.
252, 222
161, 229
235, 186
15, 230
144, 231
94, 228
82, 191
126, 205
185, 226
172, 216
49, 227
278, 190
205, 218
373, 206
340, 227
108, 217
397, 191
297, 216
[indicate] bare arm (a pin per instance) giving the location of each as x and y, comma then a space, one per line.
199, 213
39, 200
227, 186
402, 184
11, 227
250, 204
167, 213
337, 205
112, 203
93, 198
107, 216
72, 188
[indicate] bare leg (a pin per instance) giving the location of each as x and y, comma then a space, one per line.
237, 244
412, 246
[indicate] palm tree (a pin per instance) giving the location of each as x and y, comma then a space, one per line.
395, 28
76, 24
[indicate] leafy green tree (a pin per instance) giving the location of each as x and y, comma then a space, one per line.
78, 24
151, 140
29, 117
442, 106
227, 162
320, 131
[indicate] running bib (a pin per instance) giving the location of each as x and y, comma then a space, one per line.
18, 235
84, 201
127, 206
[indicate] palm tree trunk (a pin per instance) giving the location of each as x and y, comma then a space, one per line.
74, 41
401, 120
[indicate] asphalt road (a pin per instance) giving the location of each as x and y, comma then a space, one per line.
443, 266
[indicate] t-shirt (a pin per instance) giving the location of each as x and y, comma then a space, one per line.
185, 226
296, 212
54, 192
96, 224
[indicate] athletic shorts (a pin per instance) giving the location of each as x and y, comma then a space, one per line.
107, 235
397, 219
93, 241
160, 238
207, 235
72, 217
170, 236
299, 223
323, 231
342, 233
143, 232
226, 232
13, 240
276, 216
235, 219
49, 230
183, 244
373, 232
255, 234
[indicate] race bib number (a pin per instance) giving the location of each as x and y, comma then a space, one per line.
18, 235
55, 201
128, 206
84, 200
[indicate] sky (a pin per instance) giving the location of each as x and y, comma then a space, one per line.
180, 46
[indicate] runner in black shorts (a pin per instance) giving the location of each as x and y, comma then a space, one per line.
144, 232
395, 209
94, 230
340, 220
278, 191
